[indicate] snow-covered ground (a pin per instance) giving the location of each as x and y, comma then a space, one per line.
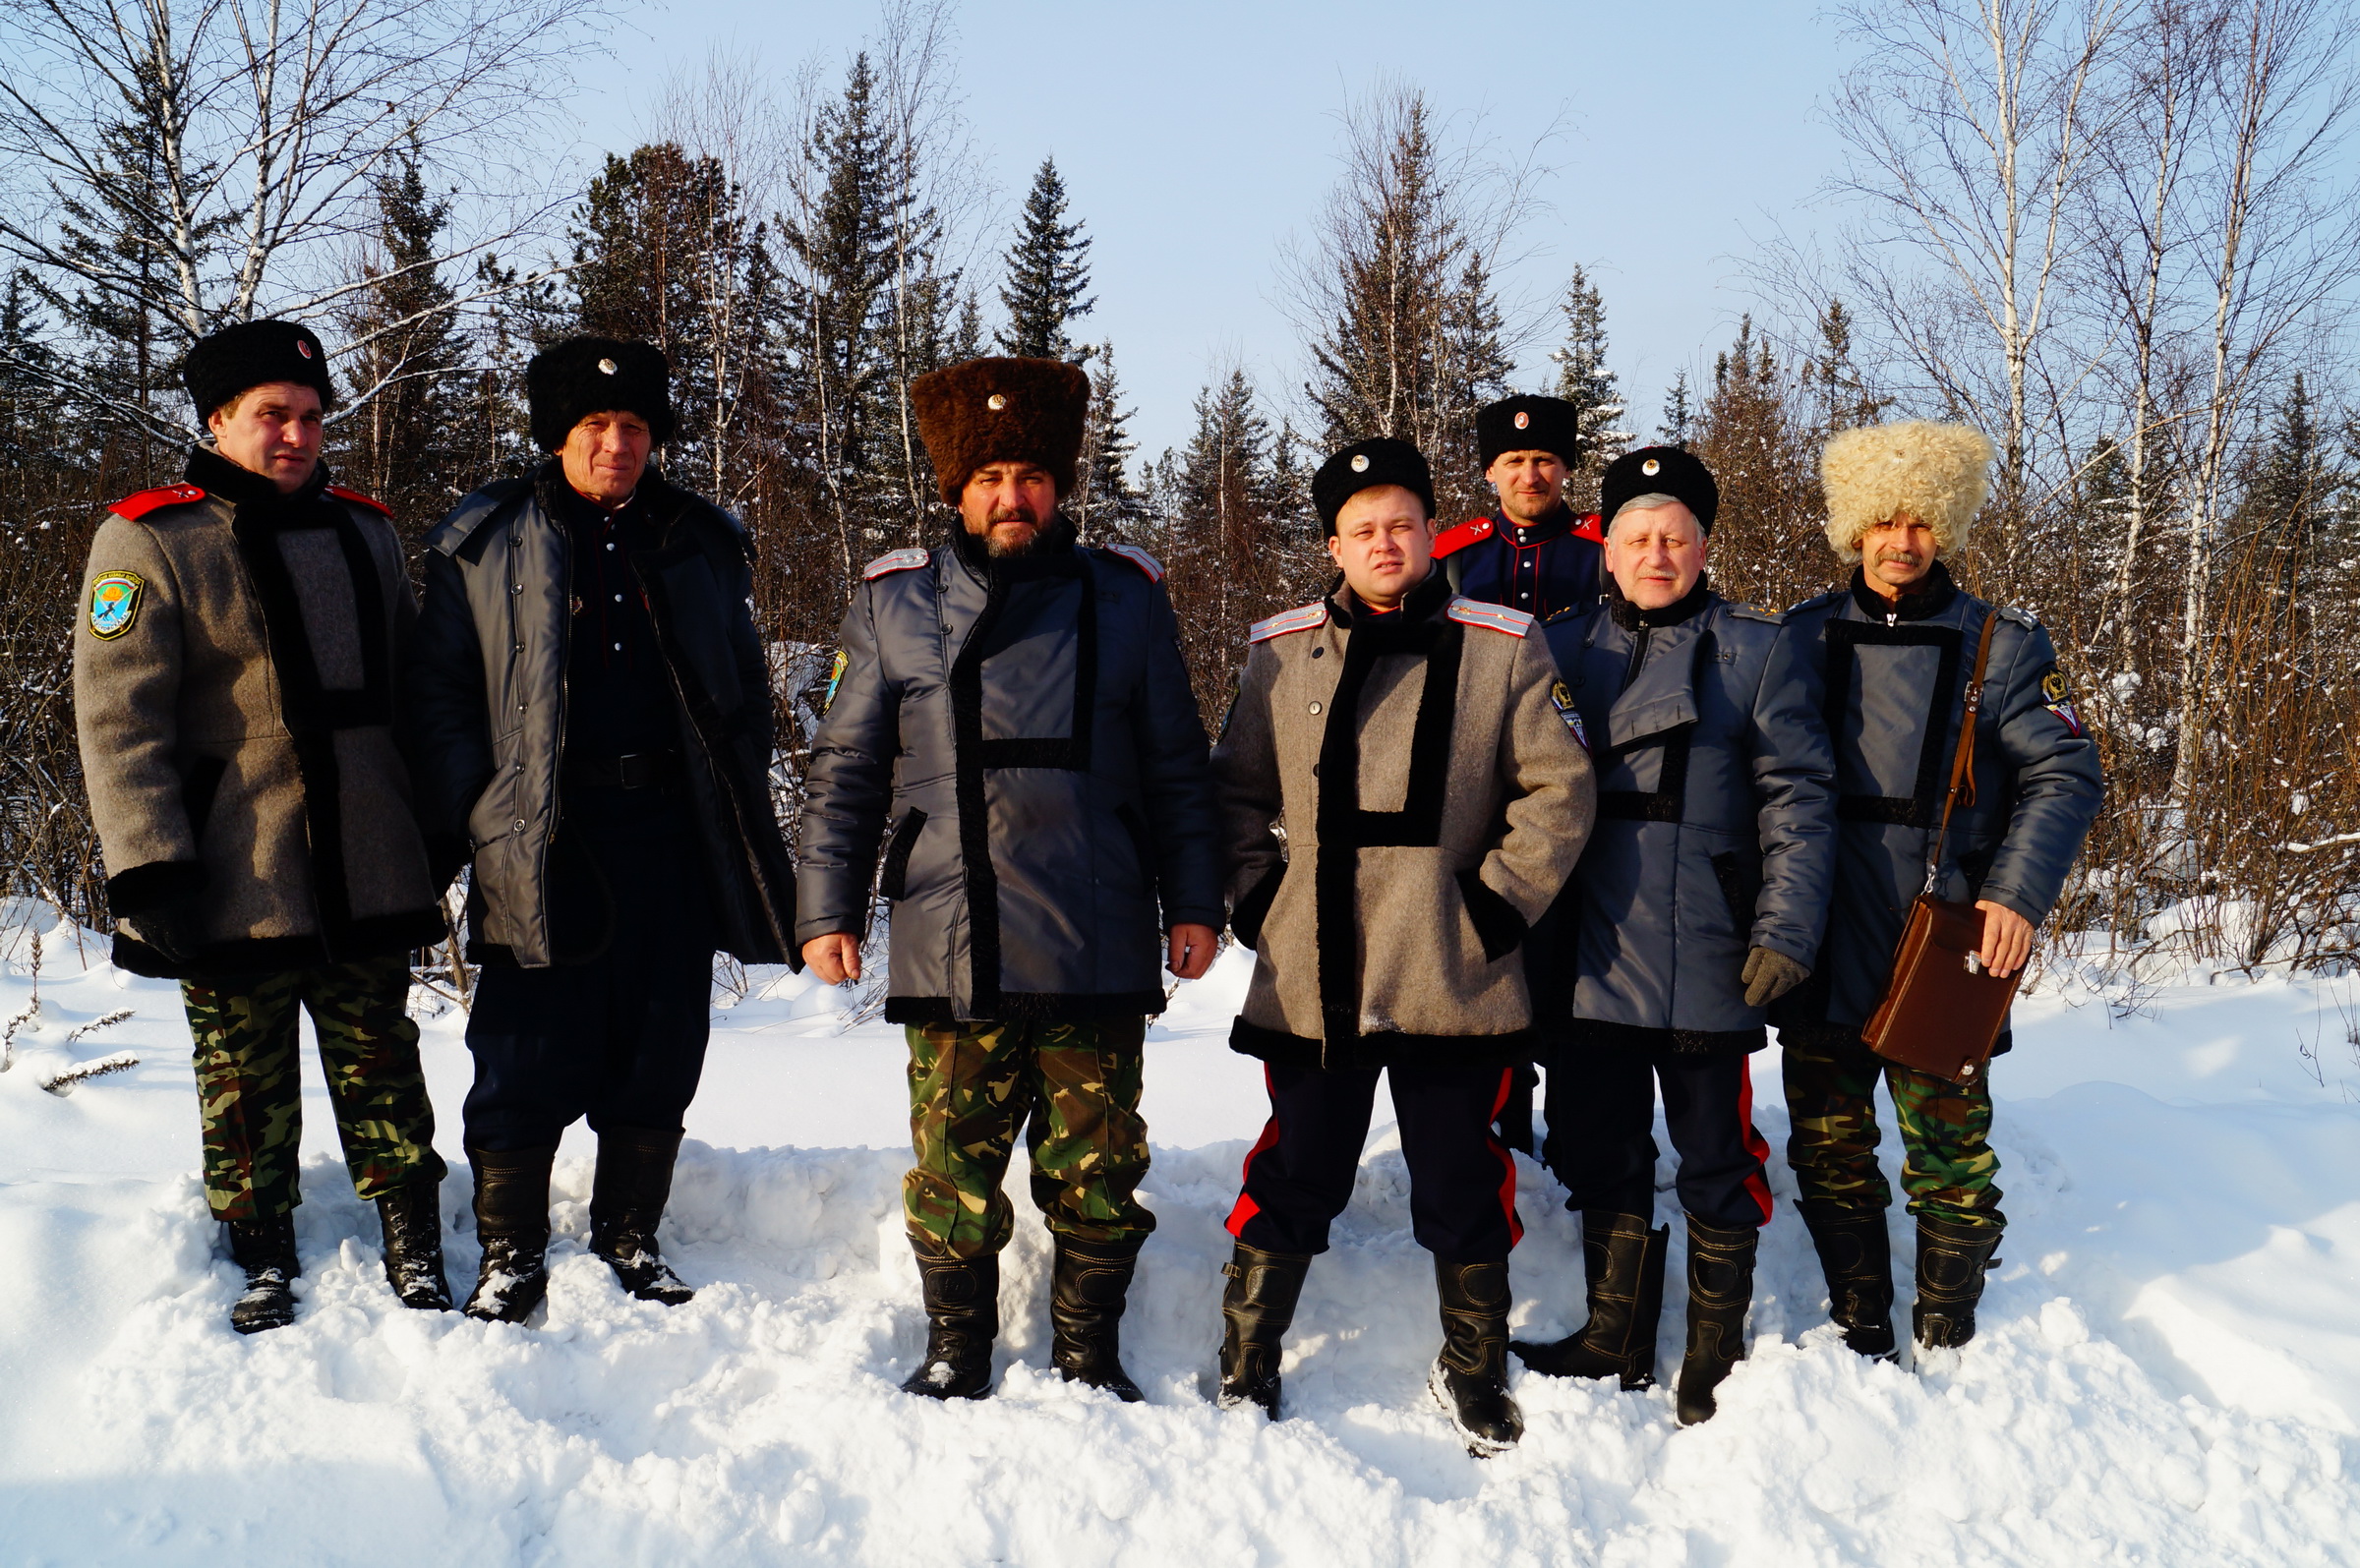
2168, 1373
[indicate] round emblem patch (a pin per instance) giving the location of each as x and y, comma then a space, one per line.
1523, 420
114, 603
1360, 462
303, 348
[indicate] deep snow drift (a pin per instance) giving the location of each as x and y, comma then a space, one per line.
2168, 1373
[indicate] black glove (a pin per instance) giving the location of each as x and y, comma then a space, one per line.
1770, 974
160, 901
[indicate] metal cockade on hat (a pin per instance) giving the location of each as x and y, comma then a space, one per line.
303, 348
1523, 420
996, 401
1652, 467
1360, 462
606, 366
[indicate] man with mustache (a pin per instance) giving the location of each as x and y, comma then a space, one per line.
238, 670
1400, 800
1897, 646
1534, 553
1012, 731
1700, 899
594, 734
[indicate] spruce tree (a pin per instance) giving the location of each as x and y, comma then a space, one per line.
1048, 275
1105, 504
1583, 380
1680, 415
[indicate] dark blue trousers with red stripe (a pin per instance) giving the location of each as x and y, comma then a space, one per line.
1462, 1181
1600, 1104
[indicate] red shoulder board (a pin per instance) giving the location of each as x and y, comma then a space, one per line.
370, 501
1589, 527
138, 506
1473, 531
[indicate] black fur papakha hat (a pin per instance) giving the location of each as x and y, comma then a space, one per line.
584, 376
250, 354
1365, 465
1001, 411
1528, 423
1659, 470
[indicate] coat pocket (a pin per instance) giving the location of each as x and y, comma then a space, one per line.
1733, 889
198, 788
893, 879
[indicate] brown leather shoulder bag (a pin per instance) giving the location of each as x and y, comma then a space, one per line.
1942, 1010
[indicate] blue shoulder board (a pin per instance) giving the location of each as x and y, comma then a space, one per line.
1301, 618
1498, 618
1138, 557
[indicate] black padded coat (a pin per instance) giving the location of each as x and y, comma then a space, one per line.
1018, 741
1894, 678
1716, 818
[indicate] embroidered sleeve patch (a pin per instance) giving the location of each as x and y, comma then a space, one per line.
2057, 697
835, 679
115, 604
1563, 697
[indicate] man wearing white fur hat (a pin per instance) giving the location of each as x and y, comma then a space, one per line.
1899, 645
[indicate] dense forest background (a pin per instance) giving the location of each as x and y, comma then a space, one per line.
2121, 238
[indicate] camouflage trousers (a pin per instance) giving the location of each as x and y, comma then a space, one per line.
1074, 1090
249, 1082
1947, 1164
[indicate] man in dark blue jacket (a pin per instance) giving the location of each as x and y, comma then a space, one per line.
1897, 645
1014, 733
1700, 898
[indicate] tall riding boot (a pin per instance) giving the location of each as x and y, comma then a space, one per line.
1856, 1256
1951, 1260
1624, 1262
1257, 1311
1469, 1379
266, 1251
963, 1318
1086, 1308
511, 1220
1720, 1289
410, 1218
626, 1200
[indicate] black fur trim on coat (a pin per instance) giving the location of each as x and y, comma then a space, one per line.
1245, 922
1498, 925
1281, 1049
1590, 1032
148, 886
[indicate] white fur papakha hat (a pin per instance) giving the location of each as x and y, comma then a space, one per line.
1938, 474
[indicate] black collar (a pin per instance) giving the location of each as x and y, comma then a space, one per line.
246, 489
1630, 617
1557, 525
1922, 599
1419, 605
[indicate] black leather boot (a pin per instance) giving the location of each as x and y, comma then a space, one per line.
1856, 1256
1257, 1309
1624, 1262
1951, 1260
626, 1200
1720, 1289
1086, 1292
266, 1251
1469, 1379
410, 1218
963, 1318
511, 1220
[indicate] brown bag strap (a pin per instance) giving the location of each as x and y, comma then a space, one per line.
1961, 766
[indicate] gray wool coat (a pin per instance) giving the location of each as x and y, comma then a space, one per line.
1716, 818
238, 659
1020, 742
1894, 680
1400, 799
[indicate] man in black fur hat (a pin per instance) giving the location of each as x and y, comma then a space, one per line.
237, 663
594, 731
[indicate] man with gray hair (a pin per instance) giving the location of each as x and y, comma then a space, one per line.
1700, 899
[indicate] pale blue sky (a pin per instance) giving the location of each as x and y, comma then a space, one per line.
1195, 138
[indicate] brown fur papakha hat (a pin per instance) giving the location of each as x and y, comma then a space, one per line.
1938, 474
1001, 411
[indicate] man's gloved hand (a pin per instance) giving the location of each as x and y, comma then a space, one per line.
160, 901
1770, 974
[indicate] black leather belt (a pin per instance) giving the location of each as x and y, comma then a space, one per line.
636, 770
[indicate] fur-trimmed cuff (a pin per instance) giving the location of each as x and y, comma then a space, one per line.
131, 894
447, 855
1245, 922
1497, 923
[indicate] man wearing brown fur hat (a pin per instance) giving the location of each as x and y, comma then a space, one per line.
1013, 731
237, 670
1898, 647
